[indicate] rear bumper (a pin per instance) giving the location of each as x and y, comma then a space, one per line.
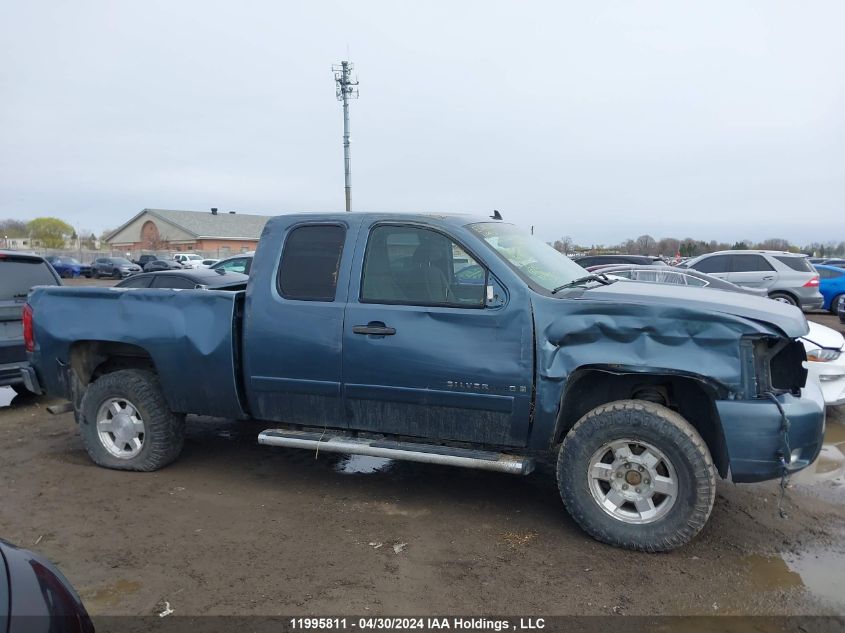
752, 430
811, 303
17, 374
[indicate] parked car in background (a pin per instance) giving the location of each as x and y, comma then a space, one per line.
208, 263
36, 596
825, 349
162, 264
18, 273
839, 263
785, 277
66, 267
238, 264
85, 270
187, 280
685, 277
824, 346
831, 285
590, 262
145, 259
116, 267
188, 260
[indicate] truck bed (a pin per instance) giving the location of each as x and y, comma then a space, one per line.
192, 337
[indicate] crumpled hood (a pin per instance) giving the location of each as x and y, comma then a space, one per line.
786, 318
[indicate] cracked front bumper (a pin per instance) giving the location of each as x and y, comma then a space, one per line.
752, 430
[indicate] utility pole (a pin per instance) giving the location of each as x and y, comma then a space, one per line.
346, 89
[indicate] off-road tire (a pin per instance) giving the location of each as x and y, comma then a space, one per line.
164, 433
671, 434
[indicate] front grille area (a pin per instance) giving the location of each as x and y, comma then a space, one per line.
787, 368
778, 366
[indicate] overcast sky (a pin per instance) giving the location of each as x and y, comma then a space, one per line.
600, 120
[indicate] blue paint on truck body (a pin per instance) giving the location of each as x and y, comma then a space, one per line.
493, 375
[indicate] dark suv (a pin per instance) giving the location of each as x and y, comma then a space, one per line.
117, 267
18, 273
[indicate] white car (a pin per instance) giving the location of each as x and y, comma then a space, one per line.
188, 260
826, 362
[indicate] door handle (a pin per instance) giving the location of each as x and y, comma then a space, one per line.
374, 327
769, 278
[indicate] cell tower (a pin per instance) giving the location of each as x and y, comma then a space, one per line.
347, 88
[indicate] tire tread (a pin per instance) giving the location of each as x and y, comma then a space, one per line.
165, 430
705, 476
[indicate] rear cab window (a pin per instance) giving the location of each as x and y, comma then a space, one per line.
310, 262
19, 274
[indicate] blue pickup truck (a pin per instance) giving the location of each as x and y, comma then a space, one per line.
358, 333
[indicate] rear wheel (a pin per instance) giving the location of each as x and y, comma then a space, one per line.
126, 424
636, 474
834, 303
783, 298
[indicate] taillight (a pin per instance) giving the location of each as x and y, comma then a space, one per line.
28, 335
813, 283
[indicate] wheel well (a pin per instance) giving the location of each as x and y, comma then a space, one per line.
91, 359
692, 398
784, 292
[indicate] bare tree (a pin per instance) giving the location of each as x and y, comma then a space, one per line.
646, 245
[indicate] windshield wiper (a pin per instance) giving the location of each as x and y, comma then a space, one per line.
601, 278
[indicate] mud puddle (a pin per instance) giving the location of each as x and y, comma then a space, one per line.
821, 573
362, 464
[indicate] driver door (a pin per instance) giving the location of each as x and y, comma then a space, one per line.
424, 355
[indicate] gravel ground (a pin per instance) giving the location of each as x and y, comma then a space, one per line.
237, 528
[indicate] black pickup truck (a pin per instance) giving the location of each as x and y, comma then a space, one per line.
450, 340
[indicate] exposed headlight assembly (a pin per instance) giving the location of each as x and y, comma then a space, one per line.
822, 355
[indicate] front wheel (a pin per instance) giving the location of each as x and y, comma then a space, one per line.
126, 423
834, 304
637, 475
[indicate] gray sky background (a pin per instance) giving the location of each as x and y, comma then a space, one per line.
717, 120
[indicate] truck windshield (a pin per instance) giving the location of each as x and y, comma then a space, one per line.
532, 258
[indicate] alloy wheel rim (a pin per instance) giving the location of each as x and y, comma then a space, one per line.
633, 481
120, 428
